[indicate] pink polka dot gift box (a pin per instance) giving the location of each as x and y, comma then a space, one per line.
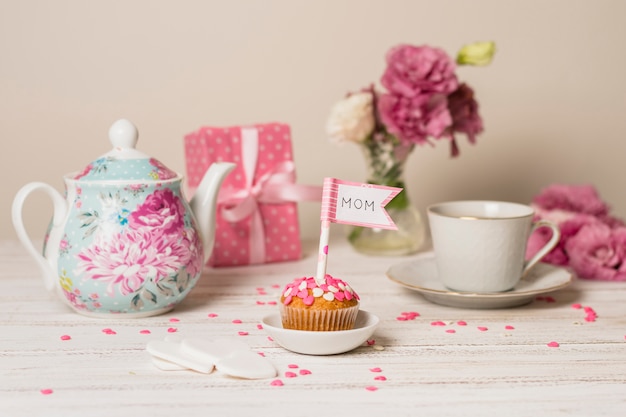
257, 213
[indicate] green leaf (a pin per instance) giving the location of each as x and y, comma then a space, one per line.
477, 53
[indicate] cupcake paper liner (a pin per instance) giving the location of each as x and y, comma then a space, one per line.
318, 320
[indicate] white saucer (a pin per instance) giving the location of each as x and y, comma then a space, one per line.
421, 275
321, 343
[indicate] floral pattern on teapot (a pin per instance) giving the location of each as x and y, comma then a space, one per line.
140, 245
111, 168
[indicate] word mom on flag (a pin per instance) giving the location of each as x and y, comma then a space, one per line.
357, 203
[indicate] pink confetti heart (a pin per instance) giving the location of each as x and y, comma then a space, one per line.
380, 378
461, 323
242, 333
304, 372
509, 327
146, 331
212, 315
371, 388
553, 344
375, 370
292, 366
276, 383
172, 330
66, 337
437, 323
46, 391
237, 321
410, 315
450, 331
482, 328
290, 374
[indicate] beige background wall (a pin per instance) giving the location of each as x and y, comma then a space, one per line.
553, 101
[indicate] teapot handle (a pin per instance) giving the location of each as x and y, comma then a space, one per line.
60, 210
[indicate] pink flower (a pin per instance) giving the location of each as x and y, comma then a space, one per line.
598, 252
568, 227
163, 172
192, 255
126, 260
84, 172
414, 119
580, 199
465, 118
162, 210
414, 70
74, 300
593, 243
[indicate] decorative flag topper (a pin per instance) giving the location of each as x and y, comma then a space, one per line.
352, 203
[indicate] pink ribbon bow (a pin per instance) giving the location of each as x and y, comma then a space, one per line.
275, 186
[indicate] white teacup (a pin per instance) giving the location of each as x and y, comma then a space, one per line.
480, 246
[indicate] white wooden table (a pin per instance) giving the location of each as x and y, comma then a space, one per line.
428, 370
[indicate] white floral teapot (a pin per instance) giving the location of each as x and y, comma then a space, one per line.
124, 240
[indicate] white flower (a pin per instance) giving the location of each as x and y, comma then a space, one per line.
351, 119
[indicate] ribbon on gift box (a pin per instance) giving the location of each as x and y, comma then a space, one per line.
275, 186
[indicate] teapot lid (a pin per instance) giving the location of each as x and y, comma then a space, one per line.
124, 162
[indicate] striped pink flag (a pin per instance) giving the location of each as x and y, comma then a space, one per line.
357, 203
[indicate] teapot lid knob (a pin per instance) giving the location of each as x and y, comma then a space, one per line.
124, 162
123, 134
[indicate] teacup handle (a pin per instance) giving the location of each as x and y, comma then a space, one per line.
60, 210
556, 235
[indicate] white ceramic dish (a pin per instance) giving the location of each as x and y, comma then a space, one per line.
321, 343
421, 275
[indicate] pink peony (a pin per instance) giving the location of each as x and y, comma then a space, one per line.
598, 252
161, 209
192, 255
465, 118
580, 199
414, 70
414, 119
129, 258
593, 242
568, 228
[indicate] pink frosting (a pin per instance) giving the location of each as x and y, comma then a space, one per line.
308, 289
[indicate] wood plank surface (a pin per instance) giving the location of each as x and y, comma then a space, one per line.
472, 365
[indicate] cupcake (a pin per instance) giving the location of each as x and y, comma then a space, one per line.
328, 305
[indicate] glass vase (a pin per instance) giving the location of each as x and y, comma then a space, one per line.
385, 162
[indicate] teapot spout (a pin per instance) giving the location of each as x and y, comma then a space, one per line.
204, 203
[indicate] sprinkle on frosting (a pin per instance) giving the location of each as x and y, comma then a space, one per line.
308, 289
